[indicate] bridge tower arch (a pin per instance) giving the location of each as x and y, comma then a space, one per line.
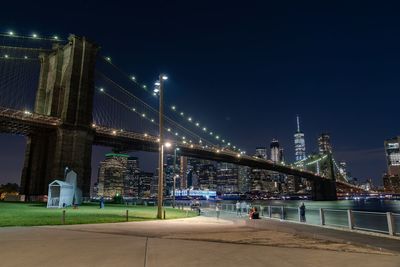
65, 90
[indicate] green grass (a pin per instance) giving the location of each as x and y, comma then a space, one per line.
29, 214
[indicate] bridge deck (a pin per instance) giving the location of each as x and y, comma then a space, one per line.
25, 123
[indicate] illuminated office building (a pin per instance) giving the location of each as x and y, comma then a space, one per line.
261, 152
299, 143
275, 151
391, 180
324, 144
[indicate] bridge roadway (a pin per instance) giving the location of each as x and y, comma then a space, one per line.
26, 123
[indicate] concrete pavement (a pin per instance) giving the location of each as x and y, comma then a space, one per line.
196, 241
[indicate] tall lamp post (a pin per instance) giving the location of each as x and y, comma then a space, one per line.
160, 89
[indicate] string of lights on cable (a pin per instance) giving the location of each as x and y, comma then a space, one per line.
181, 113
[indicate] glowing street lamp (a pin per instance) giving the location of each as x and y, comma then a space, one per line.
167, 145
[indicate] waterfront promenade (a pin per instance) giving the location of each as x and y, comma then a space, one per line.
195, 241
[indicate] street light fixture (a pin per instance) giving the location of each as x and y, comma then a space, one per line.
167, 145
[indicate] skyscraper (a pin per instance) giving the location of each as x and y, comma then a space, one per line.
227, 177
112, 173
131, 184
275, 150
281, 156
261, 152
120, 175
391, 180
299, 143
324, 144
392, 149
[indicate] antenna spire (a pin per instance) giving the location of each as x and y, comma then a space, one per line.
298, 124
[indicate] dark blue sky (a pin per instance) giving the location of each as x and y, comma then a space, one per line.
248, 68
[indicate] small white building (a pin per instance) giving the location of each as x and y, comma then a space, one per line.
61, 194
64, 193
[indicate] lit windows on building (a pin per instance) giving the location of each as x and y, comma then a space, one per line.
324, 144
275, 151
299, 143
392, 149
261, 152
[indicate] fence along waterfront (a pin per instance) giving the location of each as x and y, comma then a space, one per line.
379, 222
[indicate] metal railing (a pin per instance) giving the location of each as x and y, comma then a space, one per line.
378, 222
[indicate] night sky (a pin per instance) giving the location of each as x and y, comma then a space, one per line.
246, 69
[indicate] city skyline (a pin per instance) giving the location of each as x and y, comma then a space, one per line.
294, 73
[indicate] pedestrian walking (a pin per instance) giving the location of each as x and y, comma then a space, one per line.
217, 210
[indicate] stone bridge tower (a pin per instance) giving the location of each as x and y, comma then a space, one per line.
66, 88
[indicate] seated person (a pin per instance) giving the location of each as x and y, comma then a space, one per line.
255, 214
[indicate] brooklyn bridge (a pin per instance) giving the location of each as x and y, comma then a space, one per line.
65, 97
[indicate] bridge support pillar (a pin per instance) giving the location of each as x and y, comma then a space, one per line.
324, 189
47, 156
66, 88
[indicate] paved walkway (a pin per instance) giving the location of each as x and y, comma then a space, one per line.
368, 239
199, 241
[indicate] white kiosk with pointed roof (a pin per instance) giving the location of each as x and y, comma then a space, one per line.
60, 194
64, 193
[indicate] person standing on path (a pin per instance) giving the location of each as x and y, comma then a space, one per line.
102, 203
238, 210
217, 209
302, 212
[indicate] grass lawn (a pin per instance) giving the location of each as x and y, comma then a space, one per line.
29, 214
